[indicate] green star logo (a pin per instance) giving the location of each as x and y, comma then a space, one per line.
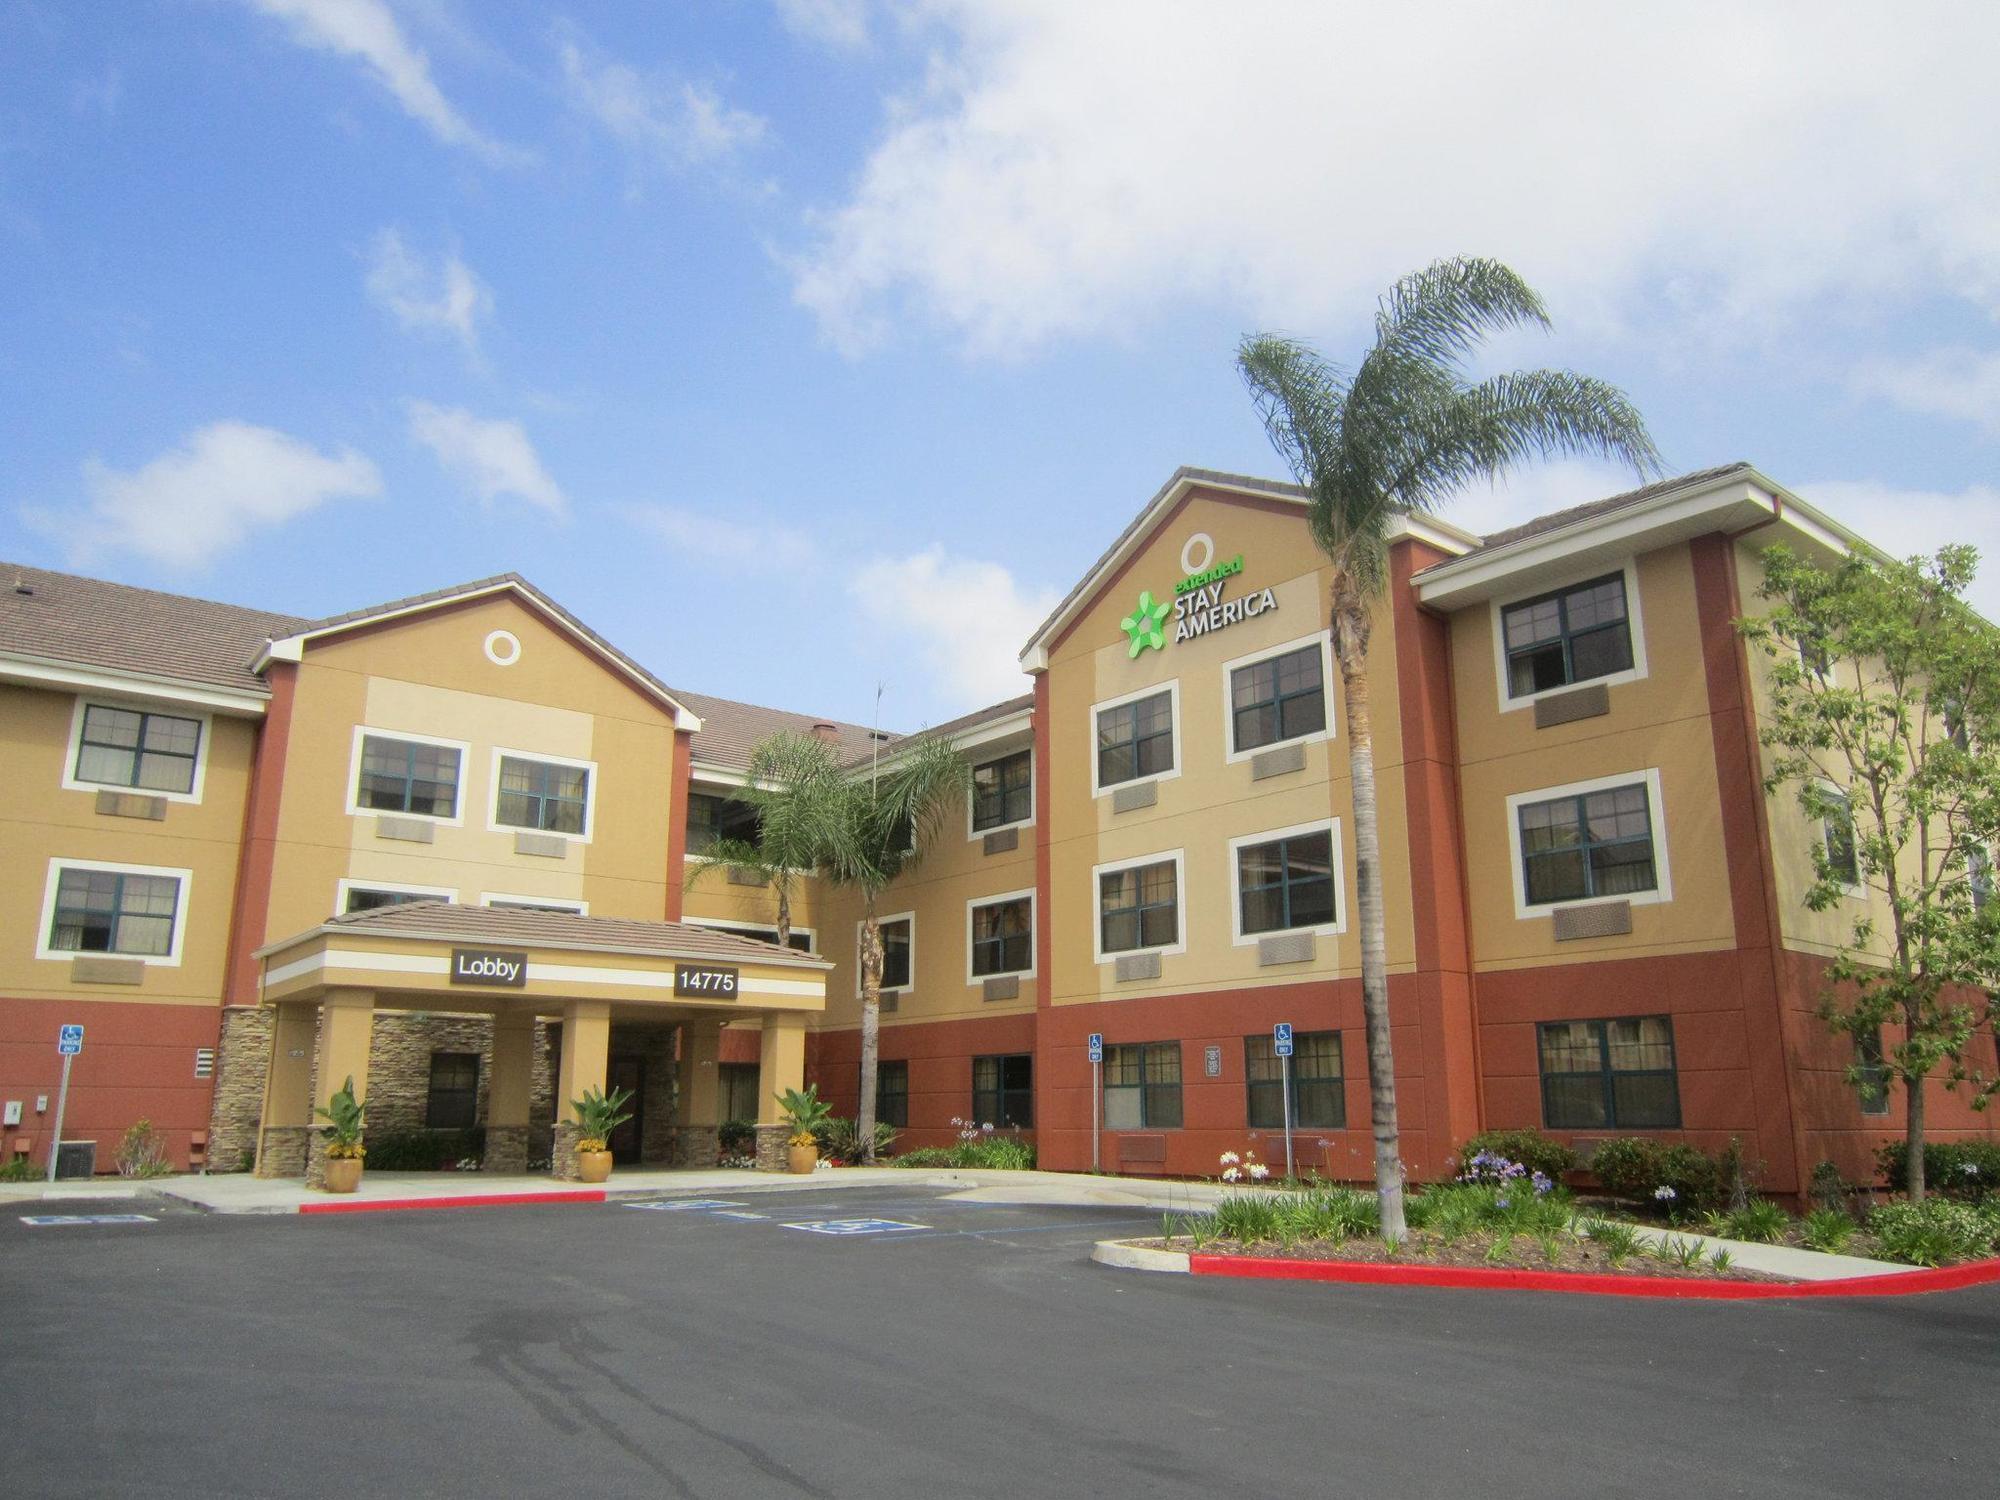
1143, 624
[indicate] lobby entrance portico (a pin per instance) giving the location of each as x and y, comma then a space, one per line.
654, 991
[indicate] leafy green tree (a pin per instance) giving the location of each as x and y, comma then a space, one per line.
794, 782
884, 823
1402, 432
1884, 721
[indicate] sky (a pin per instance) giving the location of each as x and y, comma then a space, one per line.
810, 350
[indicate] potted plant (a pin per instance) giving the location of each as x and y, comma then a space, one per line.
344, 1150
805, 1113
597, 1115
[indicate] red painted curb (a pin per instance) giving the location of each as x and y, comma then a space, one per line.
490, 1200
1904, 1284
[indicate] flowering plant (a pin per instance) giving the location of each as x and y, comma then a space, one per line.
1243, 1168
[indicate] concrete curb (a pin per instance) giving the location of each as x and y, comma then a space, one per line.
1124, 1256
346, 1205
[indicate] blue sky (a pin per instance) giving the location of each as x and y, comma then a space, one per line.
806, 345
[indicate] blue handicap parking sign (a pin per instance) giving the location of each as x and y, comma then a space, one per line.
1281, 1039
1097, 1046
69, 1040
855, 1226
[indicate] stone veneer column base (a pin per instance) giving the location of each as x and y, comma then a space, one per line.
506, 1150
283, 1152
774, 1148
696, 1146
317, 1137
562, 1165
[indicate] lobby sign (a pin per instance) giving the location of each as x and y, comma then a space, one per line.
1199, 606
712, 980
494, 967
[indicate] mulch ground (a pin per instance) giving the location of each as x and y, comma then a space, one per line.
1424, 1248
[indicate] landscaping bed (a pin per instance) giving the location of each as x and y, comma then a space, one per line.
1482, 1251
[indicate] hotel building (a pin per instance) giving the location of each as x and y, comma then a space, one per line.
231, 836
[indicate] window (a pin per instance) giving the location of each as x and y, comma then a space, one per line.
127, 912
566, 908
898, 937
1277, 699
131, 747
1135, 739
1319, 1096
1003, 792
1142, 1086
1285, 883
373, 898
1139, 907
892, 1094
453, 1101
1003, 1090
1572, 635
738, 1087
1838, 831
542, 795
1615, 1075
801, 938
1596, 843
1003, 937
712, 818
1873, 1082
407, 776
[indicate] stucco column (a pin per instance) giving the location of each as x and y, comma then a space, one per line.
346, 1032
287, 1110
586, 1053
781, 1065
696, 1143
509, 1092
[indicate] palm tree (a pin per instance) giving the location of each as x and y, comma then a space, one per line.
1401, 433
883, 825
794, 783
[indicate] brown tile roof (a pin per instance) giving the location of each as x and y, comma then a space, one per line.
731, 730
1555, 520
953, 727
448, 922
88, 622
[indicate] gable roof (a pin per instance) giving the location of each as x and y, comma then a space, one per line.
1592, 510
981, 726
291, 646
730, 731
142, 635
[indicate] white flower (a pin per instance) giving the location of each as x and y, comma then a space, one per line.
1231, 1174
1258, 1171
1230, 1158
1664, 1193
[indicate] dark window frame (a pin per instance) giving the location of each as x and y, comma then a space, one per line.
1319, 1098
1140, 909
1139, 741
995, 946
1010, 802
1843, 859
1286, 883
369, 786
1606, 1076
1873, 1084
1001, 1104
1276, 699
84, 912
703, 832
461, 1098
907, 920
761, 932
390, 898
892, 1105
545, 797
1158, 1098
137, 750
1565, 638
1586, 846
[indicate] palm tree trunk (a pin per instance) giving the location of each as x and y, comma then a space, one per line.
784, 914
871, 1027
1350, 649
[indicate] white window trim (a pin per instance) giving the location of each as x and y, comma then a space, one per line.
354, 807
1238, 937
883, 921
972, 905
493, 823
1172, 688
811, 933
73, 783
1656, 810
546, 903
171, 959
1159, 857
1235, 664
972, 834
1634, 622
343, 886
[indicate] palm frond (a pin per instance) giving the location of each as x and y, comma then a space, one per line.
1299, 397
1441, 313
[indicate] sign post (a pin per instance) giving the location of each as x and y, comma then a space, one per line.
1281, 1043
1096, 1100
69, 1042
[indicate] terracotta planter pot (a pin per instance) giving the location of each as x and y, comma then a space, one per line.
593, 1166
343, 1174
802, 1158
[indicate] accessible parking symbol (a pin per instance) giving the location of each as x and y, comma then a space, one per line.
855, 1226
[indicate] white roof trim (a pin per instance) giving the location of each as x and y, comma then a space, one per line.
38, 671
292, 647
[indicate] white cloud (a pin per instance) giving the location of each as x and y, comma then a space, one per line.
494, 458
1071, 169
366, 30
964, 620
1906, 522
839, 24
444, 296
196, 501
679, 123
1960, 383
760, 545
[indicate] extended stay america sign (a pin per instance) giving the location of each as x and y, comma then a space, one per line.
1200, 604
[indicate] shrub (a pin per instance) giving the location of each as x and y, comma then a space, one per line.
1675, 1179
1619, 1241
425, 1150
1968, 1170
840, 1140
142, 1153
1004, 1153
1530, 1148
1827, 1230
1828, 1189
926, 1156
1934, 1231
18, 1169
1760, 1221
1248, 1219
736, 1138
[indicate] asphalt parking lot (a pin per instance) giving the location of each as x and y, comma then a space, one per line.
946, 1349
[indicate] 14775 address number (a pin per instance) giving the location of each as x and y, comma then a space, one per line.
705, 979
